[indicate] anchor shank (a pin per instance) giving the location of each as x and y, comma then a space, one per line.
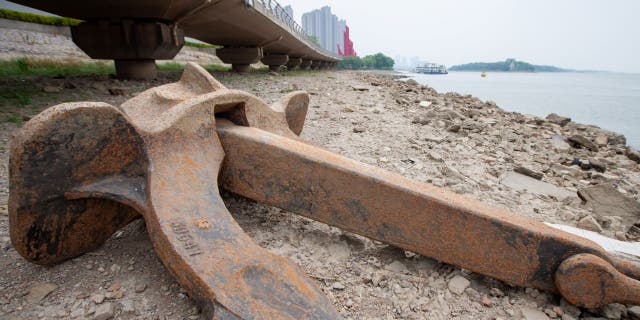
372, 202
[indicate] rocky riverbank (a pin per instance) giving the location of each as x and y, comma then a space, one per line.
551, 170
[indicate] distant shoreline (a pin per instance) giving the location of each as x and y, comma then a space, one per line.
520, 72
509, 65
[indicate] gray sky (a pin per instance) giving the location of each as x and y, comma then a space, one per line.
575, 34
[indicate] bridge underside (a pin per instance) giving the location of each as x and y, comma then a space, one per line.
134, 32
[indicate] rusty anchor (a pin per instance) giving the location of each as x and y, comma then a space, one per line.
81, 171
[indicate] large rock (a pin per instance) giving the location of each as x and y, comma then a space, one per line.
521, 182
617, 139
607, 201
601, 140
633, 154
559, 120
579, 141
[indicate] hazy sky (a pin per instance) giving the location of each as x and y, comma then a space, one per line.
576, 34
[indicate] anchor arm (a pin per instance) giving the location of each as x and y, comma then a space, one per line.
201, 244
390, 208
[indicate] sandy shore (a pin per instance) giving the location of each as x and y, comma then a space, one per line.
452, 141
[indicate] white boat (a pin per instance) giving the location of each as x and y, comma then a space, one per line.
431, 68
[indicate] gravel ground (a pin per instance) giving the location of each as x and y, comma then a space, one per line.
453, 141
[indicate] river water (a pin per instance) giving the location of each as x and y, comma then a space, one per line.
608, 100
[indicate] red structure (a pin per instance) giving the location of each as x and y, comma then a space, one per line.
348, 45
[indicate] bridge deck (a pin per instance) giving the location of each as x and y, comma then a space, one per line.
222, 22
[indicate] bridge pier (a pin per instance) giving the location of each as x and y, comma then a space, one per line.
306, 63
293, 63
275, 61
240, 58
316, 64
133, 44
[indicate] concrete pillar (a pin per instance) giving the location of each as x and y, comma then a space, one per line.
306, 63
316, 64
133, 44
293, 63
240, 58
275, 61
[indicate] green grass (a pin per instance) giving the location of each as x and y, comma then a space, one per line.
28, 67
200, 45
15, 118
15, 101
36, 18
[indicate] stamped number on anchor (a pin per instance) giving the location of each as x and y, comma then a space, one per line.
183, 235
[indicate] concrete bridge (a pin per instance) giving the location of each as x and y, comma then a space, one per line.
135, 33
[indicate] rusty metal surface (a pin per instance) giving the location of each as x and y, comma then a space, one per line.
80, 171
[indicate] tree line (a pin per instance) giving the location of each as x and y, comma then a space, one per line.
509, 65
376, 61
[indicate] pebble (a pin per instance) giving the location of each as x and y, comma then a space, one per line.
614, 311
528, 172
533, 314
458, 284
140, 287
589, 223
557, 310
114, 287
495, 292
118, 91
38, 292
360, 88
454, 128
98, 298
52, 89
338, 286
5, 243
104, 312
568, 308
128, 306
425, 104
421, 120
359, 129
634, 312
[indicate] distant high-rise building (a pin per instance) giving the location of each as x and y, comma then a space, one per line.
289, 11
331, 32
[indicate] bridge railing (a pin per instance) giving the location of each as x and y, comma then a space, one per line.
276, 11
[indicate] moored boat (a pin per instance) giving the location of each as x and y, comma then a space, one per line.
431, 68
